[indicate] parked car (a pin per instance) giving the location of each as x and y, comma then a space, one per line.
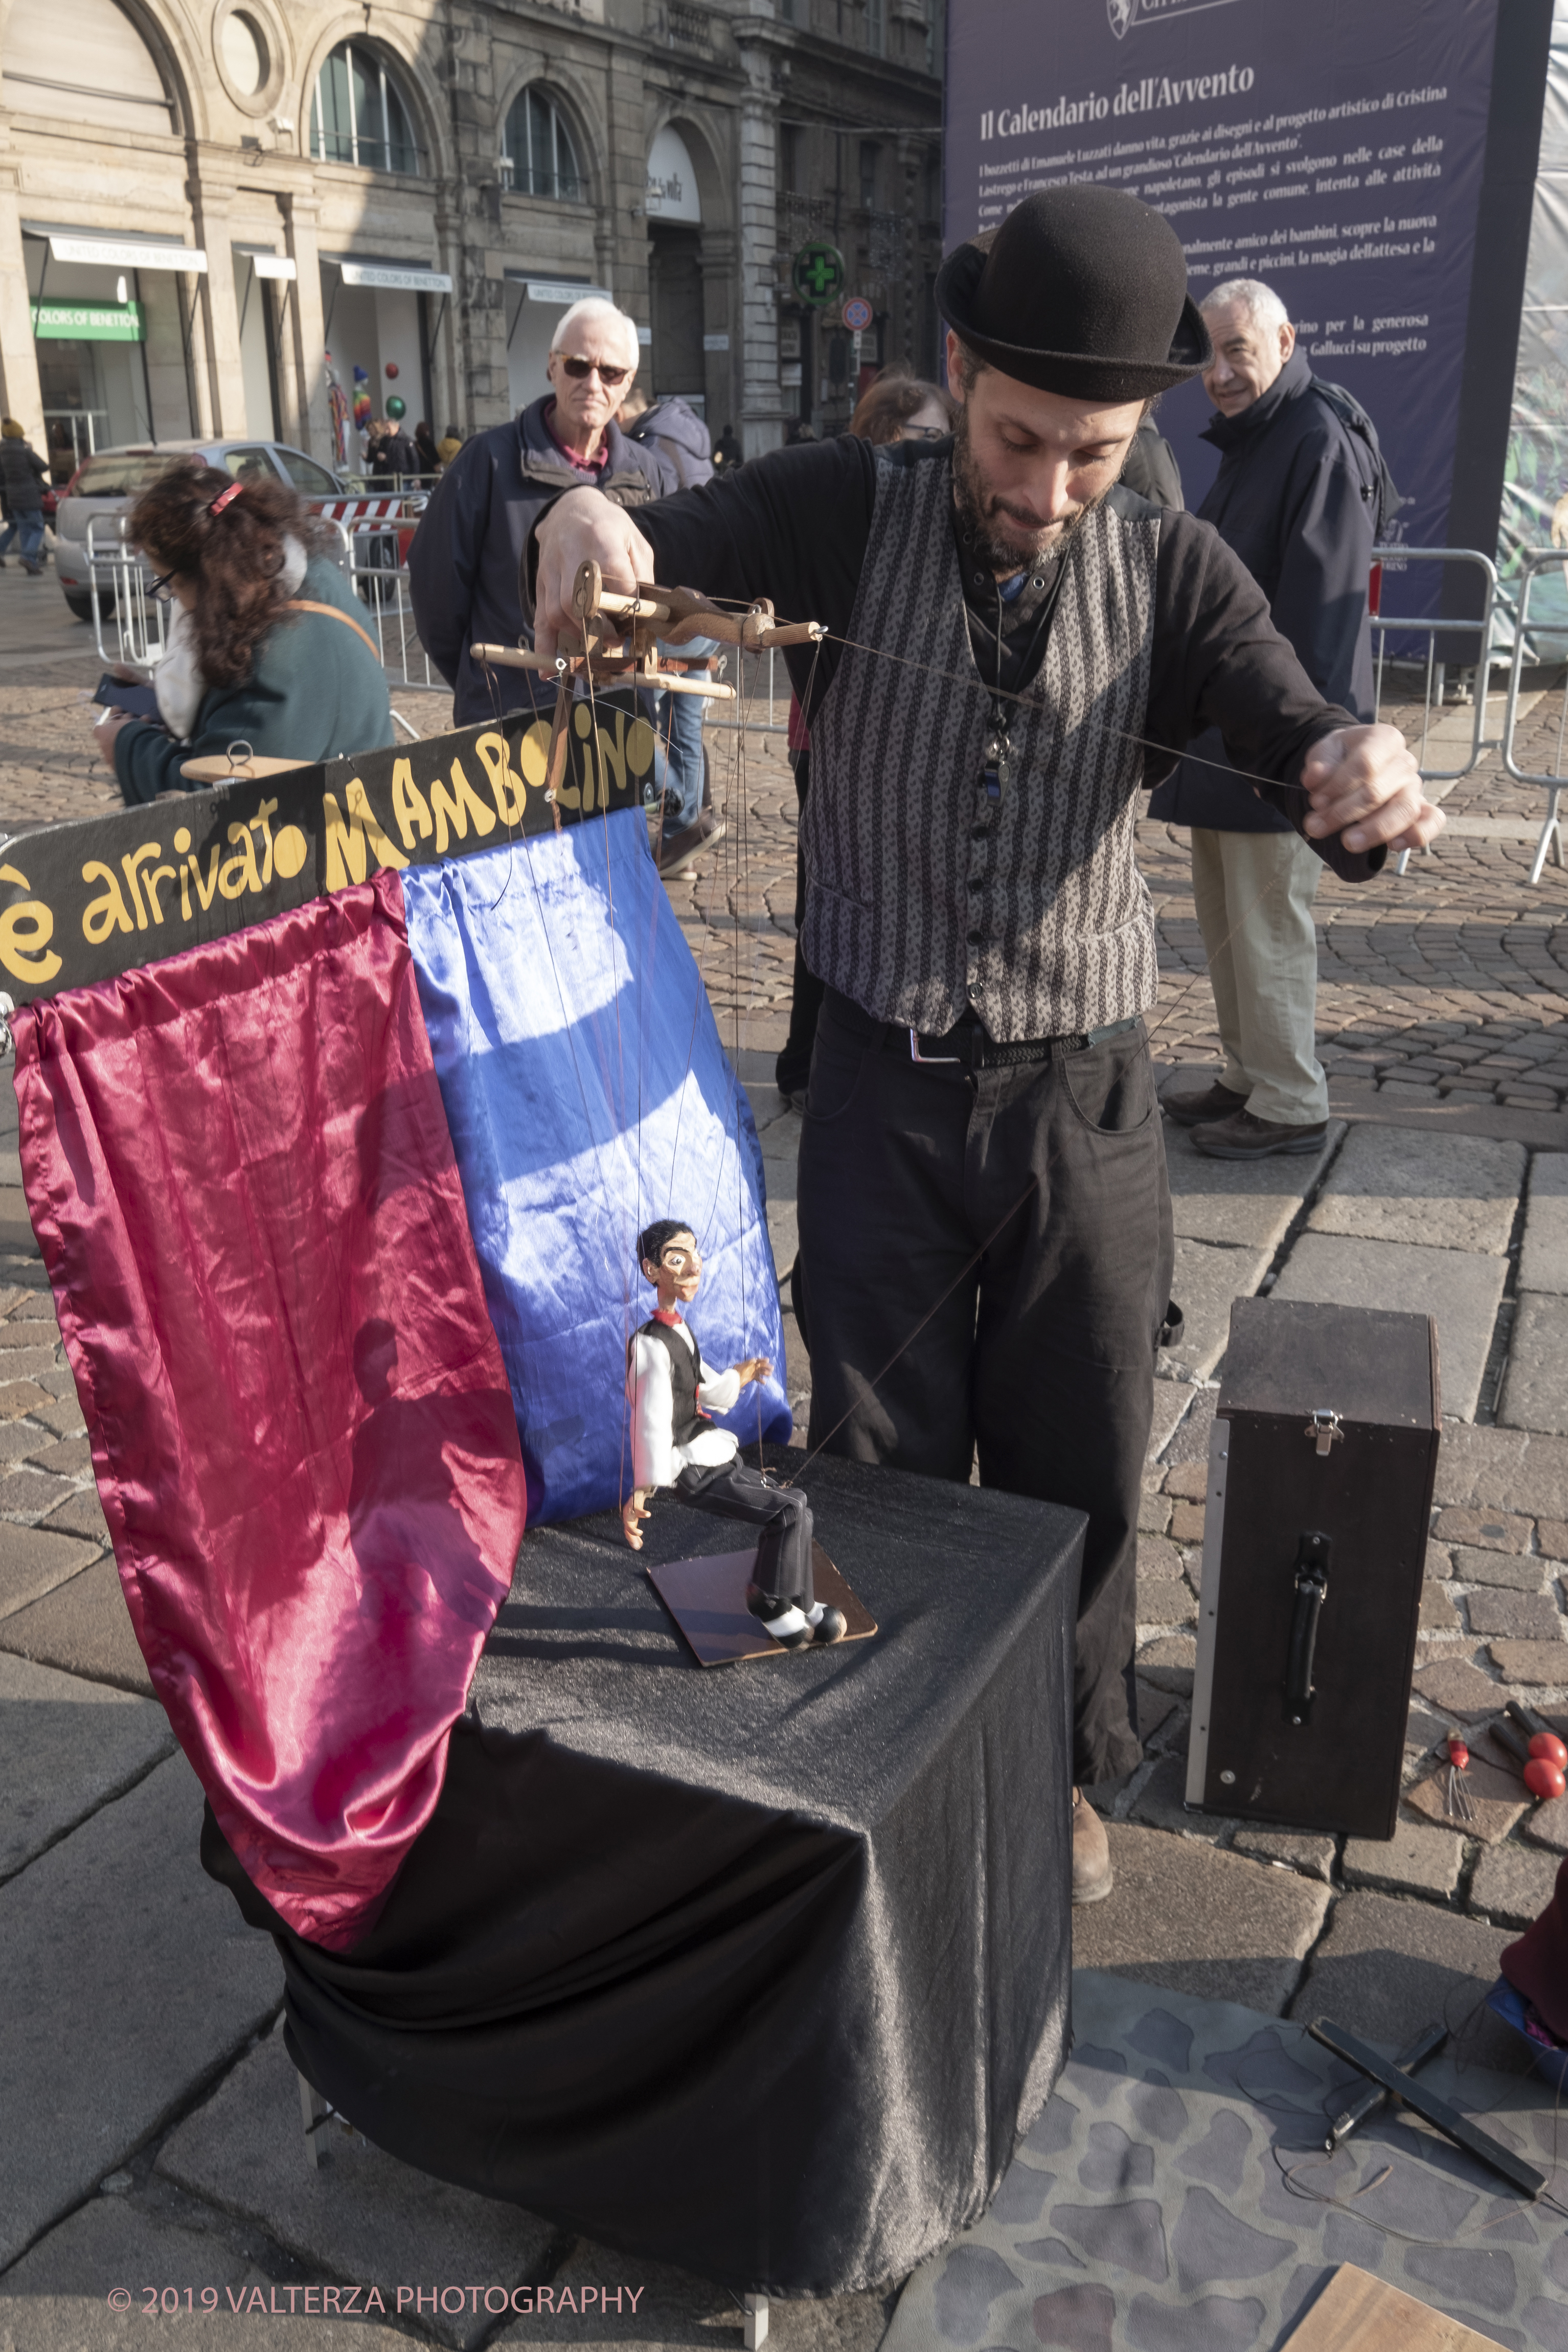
109, 482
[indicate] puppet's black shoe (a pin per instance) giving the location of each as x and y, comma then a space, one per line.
783, 1619
831, 1626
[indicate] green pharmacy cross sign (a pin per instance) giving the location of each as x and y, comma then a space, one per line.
819, 273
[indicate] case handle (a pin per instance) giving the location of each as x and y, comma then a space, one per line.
1312, 1573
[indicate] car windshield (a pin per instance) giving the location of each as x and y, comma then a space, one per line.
121, 473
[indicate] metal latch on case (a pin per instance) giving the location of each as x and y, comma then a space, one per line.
1325, 1426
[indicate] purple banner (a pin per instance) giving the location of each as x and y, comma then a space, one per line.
1335, 152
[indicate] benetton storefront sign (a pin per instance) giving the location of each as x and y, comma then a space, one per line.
89, 323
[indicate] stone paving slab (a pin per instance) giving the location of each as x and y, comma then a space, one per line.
674, 2308
66, 1747
1246, 1203
129, 1978
362, 2215
1506, 1469
1416, 1860
15, 1225
1543, 1259
56, 2299
1386, 1969
1535, 1386
1471, 1565
1161, 1804
1211, 1924
1540, 1664
1293, 1849
34, 1562
1513, 1885
84, 1628
1460, 1688
1207, 1277
1442, 1192
1172, 1400
1461, 1288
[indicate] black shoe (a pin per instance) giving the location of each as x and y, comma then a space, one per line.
831, 1626
785, 1619
1214, 1102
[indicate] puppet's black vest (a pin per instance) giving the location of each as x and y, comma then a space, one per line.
685, 1371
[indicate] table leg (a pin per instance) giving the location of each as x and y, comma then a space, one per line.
756, 2322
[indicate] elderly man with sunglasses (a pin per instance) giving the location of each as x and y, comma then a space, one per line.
463, 563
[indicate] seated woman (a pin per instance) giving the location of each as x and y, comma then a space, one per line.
267, 645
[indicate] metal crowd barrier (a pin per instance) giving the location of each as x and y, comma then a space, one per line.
121, 579
1536, 560
1429, 627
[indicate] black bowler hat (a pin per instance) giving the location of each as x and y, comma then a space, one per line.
1083, 292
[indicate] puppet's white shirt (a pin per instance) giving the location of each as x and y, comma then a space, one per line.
656, 1459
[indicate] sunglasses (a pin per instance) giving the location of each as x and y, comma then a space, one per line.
161, 586
608, 376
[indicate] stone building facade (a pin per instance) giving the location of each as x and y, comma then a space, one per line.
199, 202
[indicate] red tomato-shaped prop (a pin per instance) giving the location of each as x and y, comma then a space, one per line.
1547, 1744
1545, 1779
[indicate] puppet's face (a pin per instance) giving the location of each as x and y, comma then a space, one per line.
678, 1272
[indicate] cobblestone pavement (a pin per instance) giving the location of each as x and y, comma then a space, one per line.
161, 2140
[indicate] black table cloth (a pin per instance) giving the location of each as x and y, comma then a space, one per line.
760, 1970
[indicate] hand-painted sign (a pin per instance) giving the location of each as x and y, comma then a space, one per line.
82, 902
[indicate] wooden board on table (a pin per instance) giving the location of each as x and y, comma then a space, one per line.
1357, 2313
706, 1598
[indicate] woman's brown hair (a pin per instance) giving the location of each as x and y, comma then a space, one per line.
886, 406
236, 554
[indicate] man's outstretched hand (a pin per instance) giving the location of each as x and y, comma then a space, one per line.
582, 527
1365, 785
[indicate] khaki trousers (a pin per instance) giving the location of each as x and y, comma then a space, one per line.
1254, 894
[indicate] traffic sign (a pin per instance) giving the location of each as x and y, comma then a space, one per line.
857, 314
819, 273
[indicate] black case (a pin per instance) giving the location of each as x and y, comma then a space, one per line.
1320, 1470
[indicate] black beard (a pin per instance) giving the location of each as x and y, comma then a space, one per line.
1001, 556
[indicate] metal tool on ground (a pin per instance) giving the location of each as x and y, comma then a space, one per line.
1425, 2047
1458, 1803
1429, 2106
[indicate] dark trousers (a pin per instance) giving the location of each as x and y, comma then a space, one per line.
1052, 1177
733, 1491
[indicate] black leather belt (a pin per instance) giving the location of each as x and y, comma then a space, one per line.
967, 1045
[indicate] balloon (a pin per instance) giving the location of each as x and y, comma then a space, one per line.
397, 409
392, 370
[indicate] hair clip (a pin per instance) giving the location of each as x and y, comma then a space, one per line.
224, 496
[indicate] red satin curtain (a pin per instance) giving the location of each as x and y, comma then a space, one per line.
242, 1180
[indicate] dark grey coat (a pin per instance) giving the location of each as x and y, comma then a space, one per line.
22, 474
1296, 499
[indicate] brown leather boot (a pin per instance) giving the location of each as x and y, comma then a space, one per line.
1090, 1854
1214, 1102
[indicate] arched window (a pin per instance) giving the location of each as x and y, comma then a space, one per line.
358, 114
540, 149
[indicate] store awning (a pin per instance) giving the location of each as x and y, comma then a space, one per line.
117, 252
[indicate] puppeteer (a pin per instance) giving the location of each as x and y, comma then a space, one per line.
676, 1444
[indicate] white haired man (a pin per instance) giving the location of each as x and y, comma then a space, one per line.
463, 563
1297, 497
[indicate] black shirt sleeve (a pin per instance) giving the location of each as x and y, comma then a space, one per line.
1219, 661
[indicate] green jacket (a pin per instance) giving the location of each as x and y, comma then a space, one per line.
314, 690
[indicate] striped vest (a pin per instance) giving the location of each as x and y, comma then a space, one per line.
922, 896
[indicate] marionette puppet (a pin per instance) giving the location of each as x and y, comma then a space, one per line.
675, 1444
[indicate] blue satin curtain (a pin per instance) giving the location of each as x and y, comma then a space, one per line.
588, 1094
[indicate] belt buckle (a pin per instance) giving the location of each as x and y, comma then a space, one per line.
929, 1061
